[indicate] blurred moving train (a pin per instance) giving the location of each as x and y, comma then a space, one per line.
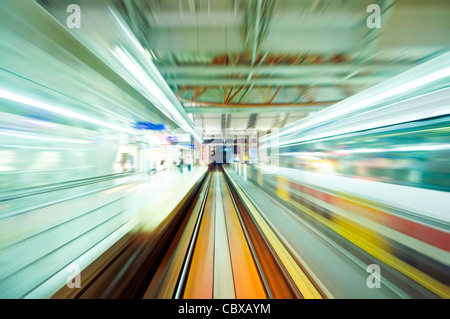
396, 132
413, 154
71, 161
375, 168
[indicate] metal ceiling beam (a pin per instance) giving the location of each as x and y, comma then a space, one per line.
323, 81
215, 70
259, 110
250, 105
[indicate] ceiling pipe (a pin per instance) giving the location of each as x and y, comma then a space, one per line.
229, 94
286, 81
250, 75
249, 105
258, 35
274, 95
292, 68
236, 93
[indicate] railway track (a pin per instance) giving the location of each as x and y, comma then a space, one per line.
216, 245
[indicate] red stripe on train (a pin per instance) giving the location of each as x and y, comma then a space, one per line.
413, 229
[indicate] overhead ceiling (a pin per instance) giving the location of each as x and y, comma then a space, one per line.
263, 64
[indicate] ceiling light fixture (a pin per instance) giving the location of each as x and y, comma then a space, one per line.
59, 110
439, 69
152, 86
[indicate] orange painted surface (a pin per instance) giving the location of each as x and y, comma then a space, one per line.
247, 282
200, 280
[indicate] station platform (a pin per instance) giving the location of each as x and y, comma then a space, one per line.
221, 234
329, 224
72, 231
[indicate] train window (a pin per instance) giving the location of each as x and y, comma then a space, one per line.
414, 154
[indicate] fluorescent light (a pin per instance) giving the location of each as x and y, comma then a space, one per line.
58, 110
167, 106
41, 123
415, 148
346, 107
44, 148
41, 138
343, 128
152, 91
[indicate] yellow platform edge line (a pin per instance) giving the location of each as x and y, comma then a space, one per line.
420, 277
304, 284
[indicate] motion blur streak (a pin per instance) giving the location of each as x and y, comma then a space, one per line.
73, 169
188, 150
393, 205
